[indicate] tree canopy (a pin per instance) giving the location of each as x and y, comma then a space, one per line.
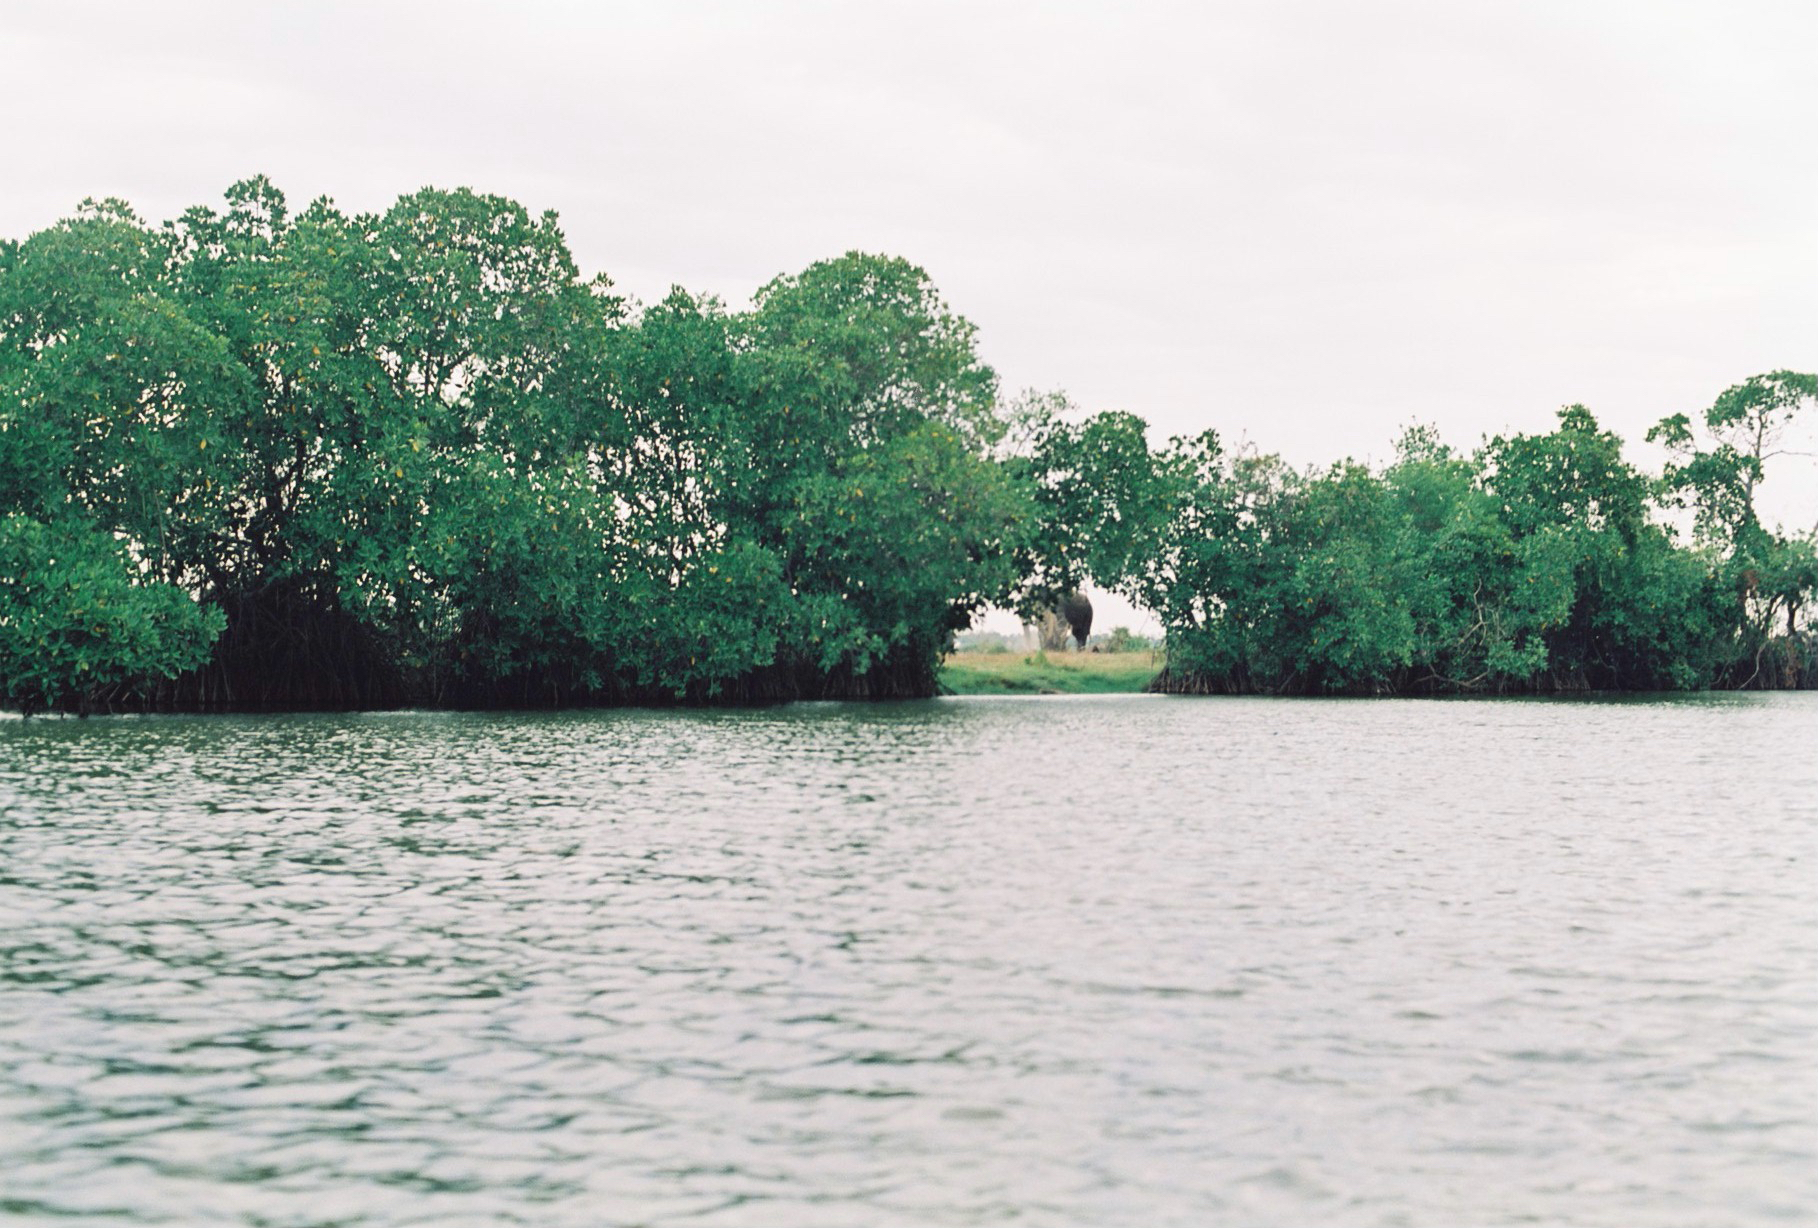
256, 458
1540, 562
417, 457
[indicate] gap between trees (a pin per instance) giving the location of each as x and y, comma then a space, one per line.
253, 459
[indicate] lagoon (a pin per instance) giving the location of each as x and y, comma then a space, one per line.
1079, 960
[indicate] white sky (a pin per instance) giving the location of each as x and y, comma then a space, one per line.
1304, 223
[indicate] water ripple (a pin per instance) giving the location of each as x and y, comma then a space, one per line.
1096, 961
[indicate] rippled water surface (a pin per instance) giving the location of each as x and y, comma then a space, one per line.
1122, 961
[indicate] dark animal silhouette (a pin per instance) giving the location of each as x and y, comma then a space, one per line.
1078, 612
1073, 612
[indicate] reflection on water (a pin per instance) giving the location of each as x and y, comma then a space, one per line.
1121, 960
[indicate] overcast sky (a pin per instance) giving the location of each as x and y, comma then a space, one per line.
1305, 223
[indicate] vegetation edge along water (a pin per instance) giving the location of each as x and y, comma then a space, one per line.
254, 458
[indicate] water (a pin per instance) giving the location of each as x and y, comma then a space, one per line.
1095, 961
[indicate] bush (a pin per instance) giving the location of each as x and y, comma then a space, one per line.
76, 625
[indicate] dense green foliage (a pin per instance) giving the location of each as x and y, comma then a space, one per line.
254, 458
1537, 563
73, 617
417, 457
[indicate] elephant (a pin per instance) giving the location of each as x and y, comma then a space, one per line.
1073, 612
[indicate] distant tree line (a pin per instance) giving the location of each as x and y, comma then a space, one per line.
255, 459
1535, 563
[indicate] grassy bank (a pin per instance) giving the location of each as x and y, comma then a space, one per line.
1070, 673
